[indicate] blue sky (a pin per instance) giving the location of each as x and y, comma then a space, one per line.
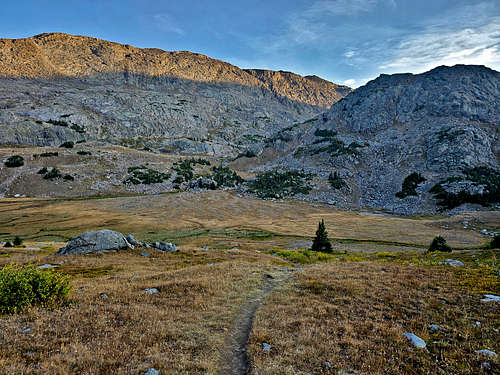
345, 41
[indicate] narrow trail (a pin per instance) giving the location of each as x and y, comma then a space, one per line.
234, 359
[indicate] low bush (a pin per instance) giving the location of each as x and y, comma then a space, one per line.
224, 176
14, 161
52, 174
25, 286
8, 244
46, 155
439, 244
275, 184
68, 144
18, 241
43, 170
485, 176
336, 181
68, 177
144, 175
185, 168
83, 153
410, 185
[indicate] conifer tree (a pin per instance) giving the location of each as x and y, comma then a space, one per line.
321, 241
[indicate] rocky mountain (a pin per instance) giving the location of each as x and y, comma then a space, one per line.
59, 87
437, 125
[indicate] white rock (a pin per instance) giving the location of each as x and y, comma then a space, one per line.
454, 263
44, 266
415, 340
490, 298
151, 291
151, 371
266, 347
486, 352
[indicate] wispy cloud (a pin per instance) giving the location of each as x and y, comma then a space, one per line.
471, 36
166, 23
349, 82
345, 7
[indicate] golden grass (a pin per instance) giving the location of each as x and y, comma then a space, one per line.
179, 330
353, 315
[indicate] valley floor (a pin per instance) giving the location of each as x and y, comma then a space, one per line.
343, 313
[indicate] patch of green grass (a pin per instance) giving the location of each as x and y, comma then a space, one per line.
86, 272
305, 256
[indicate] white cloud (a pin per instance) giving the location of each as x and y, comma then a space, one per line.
349, 82
349, 54
346, 7
166, 23
447, 41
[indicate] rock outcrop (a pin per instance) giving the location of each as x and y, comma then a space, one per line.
94, 242
438, 124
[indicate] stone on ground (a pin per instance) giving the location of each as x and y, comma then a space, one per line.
415, 340
93, 242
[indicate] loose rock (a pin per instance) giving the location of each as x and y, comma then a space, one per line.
93, 242
151, 291
490, 298
453, 263
415, 340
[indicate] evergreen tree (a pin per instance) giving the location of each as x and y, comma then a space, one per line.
439, 244
321, 241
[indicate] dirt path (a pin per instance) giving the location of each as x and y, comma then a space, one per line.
234, 359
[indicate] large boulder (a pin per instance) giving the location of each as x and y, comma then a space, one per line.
93, 242
162, 246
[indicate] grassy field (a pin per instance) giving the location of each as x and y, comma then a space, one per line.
349, 308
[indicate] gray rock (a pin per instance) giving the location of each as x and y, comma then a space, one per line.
266, 347
327, 364
453, 263
151, 291
25, 330
145, 254
103, 296
434, 328
151, 371
486, 353
45, 266
490, 298
415, 340
132, 240
93, 242
162, 246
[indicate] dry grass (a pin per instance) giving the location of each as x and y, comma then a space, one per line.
162, 216
353, 315
178, 330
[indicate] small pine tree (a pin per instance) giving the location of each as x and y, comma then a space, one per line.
439, 244
321, 241
495, 242
17, 241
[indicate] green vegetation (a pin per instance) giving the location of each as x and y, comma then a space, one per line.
325, 133
25, 286
336, 147
52, 174
321, 242
224, 176
303, 256
274, 184
68, 144
185, 168
144, 175
8, 244
336, 181
75, 127
46, 155
18, 241
439, 244
449, 135
43, 170
495, 242
83, 153
78, 128
68, 177
488, 177
410, 185
14, 161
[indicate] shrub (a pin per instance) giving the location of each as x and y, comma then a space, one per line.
68, 144
43, 170
84, 153
8, 244
488, 177
185, 167
495, 242
24, 286
17, 241
68, 177
336, 181
14, 161
325, 133
178, 180
52, 174
439, 244
224, 176
275, 184
410, 185
321, 242
144, 175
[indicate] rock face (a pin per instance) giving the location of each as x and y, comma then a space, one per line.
93, 242
177, 101
436, 123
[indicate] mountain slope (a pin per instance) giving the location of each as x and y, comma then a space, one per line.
59, 87
438, 124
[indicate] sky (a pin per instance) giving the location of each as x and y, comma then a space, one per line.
345, 41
